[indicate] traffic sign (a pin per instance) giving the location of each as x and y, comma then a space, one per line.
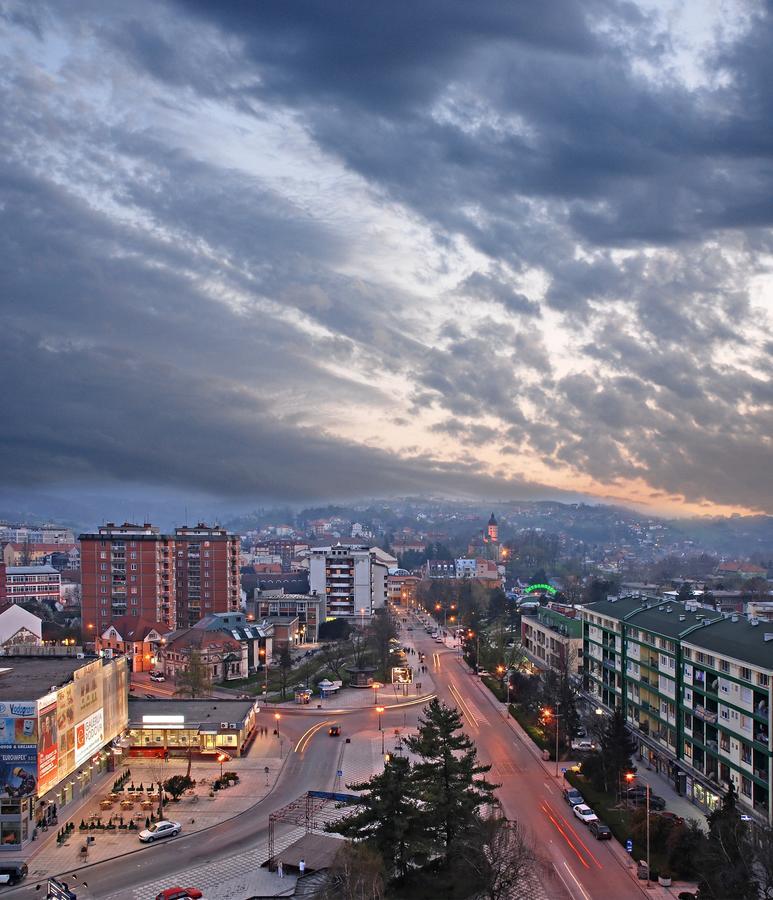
563, 769
629, 845
340, 773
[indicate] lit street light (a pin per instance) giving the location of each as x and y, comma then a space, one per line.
547, 715
221, 758
380, 710
375, 685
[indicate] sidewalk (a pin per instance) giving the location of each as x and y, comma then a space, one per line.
47, 857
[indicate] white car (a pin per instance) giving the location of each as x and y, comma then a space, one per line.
159, 830
583, 744
157, 676
585, 813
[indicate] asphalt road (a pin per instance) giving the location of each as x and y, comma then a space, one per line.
582, 868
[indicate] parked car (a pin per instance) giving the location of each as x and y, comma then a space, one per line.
483, 672
583, 745
671, 817
573, 797
600, 831
581, 733
157, 676
158, 830
334, 730
179, 893
637, 798
12, 873
584, 813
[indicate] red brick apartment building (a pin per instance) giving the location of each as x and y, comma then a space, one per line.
135, 570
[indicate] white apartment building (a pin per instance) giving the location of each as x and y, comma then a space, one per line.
351, 577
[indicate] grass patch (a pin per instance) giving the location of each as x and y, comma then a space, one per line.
611, 813
528, 723
495, 686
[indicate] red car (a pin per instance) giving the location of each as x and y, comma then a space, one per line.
178, 893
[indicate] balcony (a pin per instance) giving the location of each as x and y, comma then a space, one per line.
702, 713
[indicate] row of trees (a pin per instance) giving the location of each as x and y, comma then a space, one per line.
439, 810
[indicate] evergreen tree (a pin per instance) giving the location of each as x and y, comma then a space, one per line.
617, 746
387, 816
727, 861
285, 667
447, 778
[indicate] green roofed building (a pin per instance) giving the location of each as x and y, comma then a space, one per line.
695, 687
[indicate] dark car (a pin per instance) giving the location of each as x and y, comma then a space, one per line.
637, 799
600, 831
12, 873
334, 730
573, 797
671, 817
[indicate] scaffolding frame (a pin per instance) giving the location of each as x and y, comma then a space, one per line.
311, 811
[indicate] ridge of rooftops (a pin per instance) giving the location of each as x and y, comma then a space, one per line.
729, 635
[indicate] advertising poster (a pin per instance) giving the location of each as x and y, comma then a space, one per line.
18, 770
88, 690
48, 744
115, 694
89, 736
65, 729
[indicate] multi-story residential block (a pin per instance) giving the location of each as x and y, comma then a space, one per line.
29, 554
174, 579
2, 585
207, 572
126, 570
351, 577
695, 688
401, 587
552, 638
42, 584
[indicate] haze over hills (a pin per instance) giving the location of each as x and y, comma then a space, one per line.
582, 522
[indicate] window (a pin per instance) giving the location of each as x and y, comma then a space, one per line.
134, 567
133, 577
103, 567
103, 577
724, 713
746, 786
710, 661
724, 665
103, 589
746, 753
133, 555
687, 653
688, 721
700, 657
762, 680
724, 742
745, 673
103, 555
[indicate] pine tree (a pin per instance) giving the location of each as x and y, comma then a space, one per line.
727, 860
447, 778
387, 816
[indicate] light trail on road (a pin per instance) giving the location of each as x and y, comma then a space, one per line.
466, 711
303, 743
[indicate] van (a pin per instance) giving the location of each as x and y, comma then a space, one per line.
12, 873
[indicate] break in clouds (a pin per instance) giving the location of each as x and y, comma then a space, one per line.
321, 250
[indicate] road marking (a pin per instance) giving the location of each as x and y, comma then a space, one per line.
564, 835
308, 735
471, 718
571, 875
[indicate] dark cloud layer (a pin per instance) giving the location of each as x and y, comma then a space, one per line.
180, 321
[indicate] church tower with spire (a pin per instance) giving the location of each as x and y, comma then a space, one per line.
492, 531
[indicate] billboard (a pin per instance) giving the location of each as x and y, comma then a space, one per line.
65, 730
18, 748
89, 736
48, 743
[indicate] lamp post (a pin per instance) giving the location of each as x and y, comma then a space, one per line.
277, 717
380, 710
375, 685
548, 714
262, 655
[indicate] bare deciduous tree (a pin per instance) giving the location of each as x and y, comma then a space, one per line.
501, 854
357, 873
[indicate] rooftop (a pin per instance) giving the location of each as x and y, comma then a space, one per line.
31, 570
31, 677
739, 640
195, 711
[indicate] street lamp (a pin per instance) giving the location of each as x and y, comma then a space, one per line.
277, 717
221, 758
548, 714
375, 685
380, 710
262, 655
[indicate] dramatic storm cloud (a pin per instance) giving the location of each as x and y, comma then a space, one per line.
322, 250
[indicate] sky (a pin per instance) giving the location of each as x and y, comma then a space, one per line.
317, 251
